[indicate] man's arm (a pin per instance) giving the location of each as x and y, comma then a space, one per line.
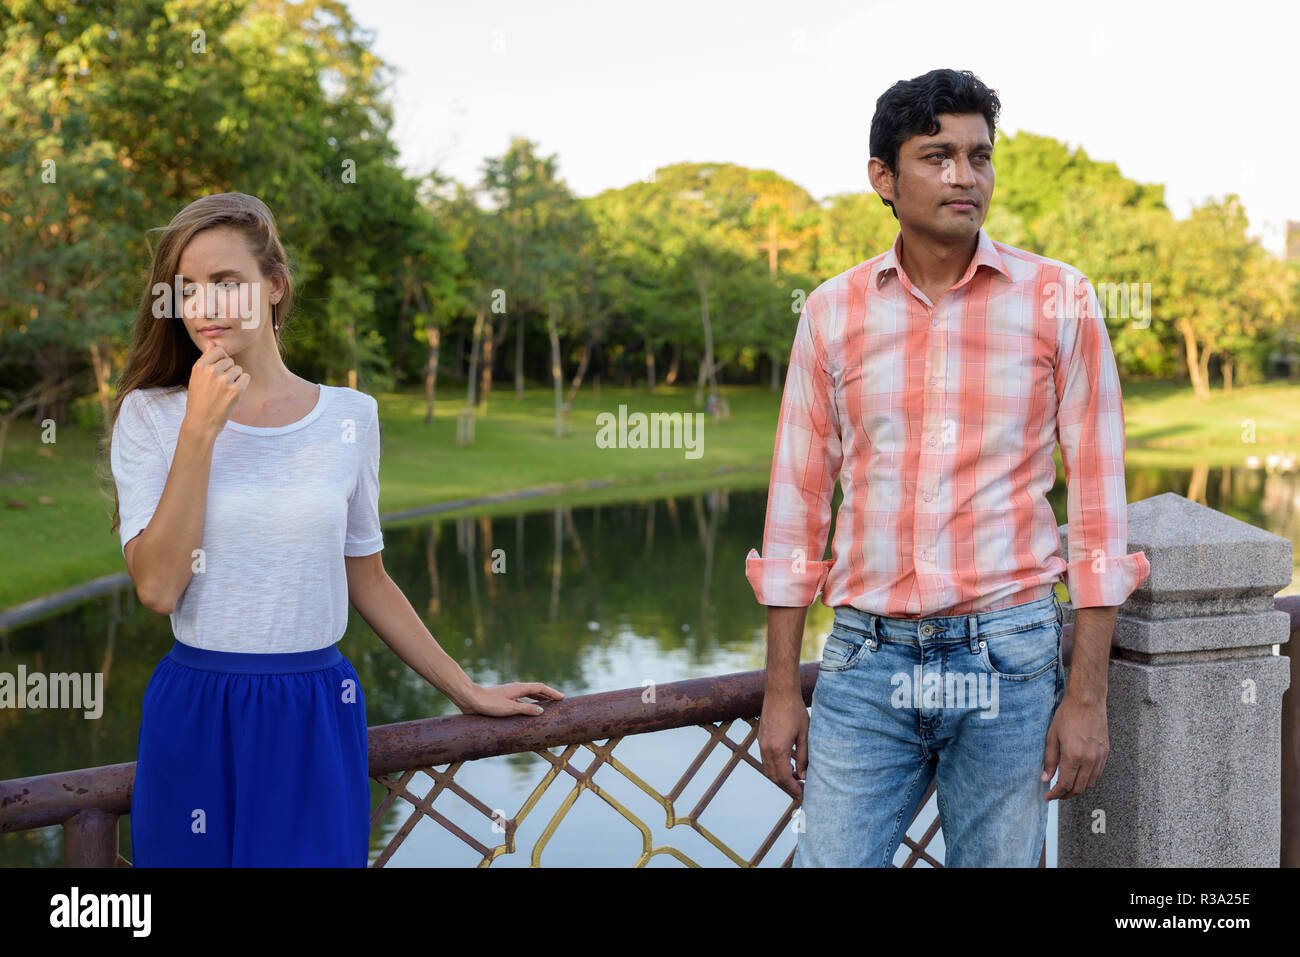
1090, 430
805, 465
783, 726
1100, 573
1090, 657
787, 578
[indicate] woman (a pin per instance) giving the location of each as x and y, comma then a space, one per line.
248, 512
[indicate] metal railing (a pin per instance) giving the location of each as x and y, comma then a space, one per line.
88, 802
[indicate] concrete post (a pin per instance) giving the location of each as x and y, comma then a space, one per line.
1195, 700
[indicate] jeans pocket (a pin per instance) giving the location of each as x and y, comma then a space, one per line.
843, 647
1024, 654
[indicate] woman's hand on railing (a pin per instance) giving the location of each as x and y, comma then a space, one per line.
502, 700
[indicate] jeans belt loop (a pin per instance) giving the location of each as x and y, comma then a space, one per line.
972, 633
873, 642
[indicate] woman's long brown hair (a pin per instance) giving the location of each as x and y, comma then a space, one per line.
161, 352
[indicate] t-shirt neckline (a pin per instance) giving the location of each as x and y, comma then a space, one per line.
306, 420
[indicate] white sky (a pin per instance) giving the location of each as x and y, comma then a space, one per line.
1196, 95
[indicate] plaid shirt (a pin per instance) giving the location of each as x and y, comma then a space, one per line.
939, 421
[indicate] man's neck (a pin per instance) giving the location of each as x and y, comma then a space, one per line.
935, 267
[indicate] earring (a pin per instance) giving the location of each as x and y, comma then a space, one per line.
275, 319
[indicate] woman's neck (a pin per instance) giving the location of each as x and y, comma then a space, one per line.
269, 379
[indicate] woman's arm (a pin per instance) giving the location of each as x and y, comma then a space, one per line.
385, 609
160, 560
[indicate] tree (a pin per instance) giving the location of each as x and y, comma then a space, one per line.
527, 197
1209, 271
112, 128
1123, 252
432, 277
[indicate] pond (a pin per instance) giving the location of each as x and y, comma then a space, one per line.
585, 598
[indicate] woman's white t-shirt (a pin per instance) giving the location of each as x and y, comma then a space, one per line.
285, 505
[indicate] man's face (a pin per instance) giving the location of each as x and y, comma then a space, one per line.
944, 182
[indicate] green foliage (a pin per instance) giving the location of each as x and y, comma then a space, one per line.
1038, 174
110, 127
170, 102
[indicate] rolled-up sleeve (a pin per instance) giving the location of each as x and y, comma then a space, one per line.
805, 465
1090, 429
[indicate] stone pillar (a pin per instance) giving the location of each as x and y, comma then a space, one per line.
1194, 705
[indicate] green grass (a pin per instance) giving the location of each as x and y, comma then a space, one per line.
1167, 424
58, 545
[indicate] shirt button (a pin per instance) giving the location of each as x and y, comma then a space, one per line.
933, 380
933, 440
927, 496
926, 556
934, 321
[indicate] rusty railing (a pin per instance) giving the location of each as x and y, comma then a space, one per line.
88, 802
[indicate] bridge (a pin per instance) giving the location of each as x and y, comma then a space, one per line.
1203, 771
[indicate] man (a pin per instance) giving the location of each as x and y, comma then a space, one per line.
934, 382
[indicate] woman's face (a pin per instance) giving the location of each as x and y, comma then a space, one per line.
224, 296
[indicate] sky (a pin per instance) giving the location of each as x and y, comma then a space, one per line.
1191, 95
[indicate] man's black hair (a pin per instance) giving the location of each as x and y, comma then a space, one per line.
911, 107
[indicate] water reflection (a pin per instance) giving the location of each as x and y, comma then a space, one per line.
584, 598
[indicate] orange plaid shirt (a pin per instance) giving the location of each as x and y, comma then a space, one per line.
939, 420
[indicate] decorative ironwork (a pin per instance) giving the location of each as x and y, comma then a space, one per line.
584, 781
89, 801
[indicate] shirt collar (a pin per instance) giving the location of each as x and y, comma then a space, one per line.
986, 254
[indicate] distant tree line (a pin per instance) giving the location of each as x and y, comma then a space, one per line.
694, 277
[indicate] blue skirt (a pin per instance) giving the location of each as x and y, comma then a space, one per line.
252, 760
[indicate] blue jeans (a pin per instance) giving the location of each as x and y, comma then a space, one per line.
966, 700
